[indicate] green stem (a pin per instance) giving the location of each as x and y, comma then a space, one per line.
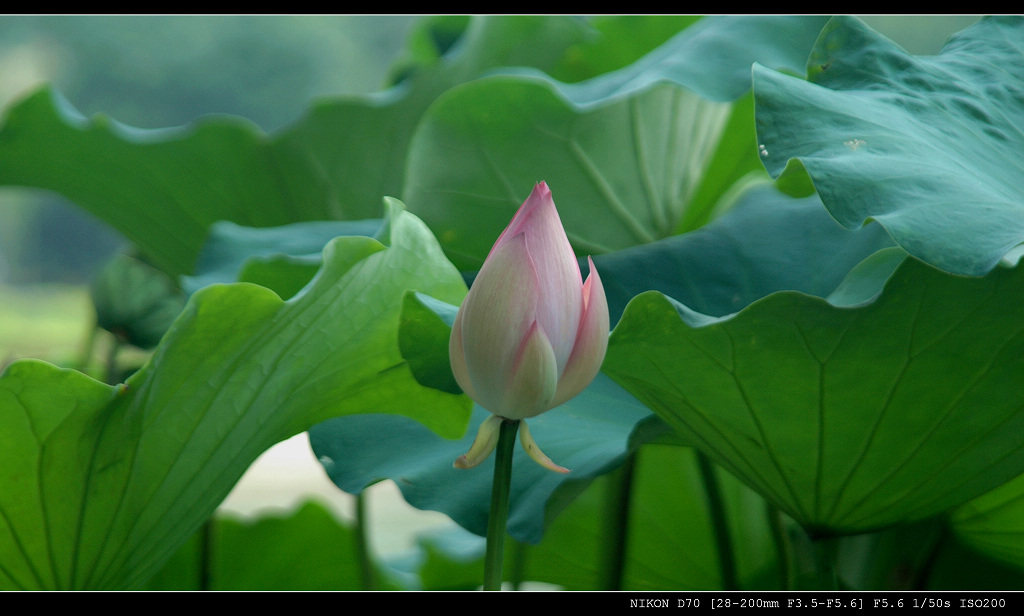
498, 518
366, 577
783, 546
923, 571
826, 549
518, 572
616, 527
206, 554
719, 522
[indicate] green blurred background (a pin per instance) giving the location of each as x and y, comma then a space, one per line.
152, 72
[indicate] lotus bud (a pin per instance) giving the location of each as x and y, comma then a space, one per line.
530, 334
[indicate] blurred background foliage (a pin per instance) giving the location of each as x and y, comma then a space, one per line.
163, 71
160, 71
153, 72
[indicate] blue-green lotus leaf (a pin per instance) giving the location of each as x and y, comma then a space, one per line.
929, 146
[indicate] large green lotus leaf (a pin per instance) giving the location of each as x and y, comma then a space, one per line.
962, 567
607, 43
164, 188
895, 558
161, 188
621, 172
713, 57
590, 434
914, 556
99, 485
849, 417
283, 274
231, 248
928, 146
767, 242
305, 549
920, 555
429, 39
630, 156
619, 40
994, 523
135, 301
451, 558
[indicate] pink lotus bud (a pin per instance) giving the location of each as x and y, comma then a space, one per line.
531, 334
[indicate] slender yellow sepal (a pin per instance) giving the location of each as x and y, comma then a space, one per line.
534, 451
484, 443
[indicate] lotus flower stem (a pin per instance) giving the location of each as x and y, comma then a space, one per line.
518, 564
926, 563
616, 526
366, 577
826, 549
719, 522
498, 518
206, 554
783, 546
